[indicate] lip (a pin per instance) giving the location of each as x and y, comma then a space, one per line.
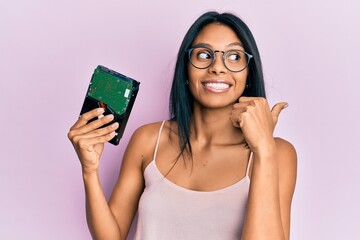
214, 90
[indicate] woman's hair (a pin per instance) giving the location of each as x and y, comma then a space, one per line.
181, 100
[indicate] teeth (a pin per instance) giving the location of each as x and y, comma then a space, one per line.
218, 86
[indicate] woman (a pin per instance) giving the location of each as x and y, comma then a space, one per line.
214, 171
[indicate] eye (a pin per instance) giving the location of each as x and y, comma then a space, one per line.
204, 55
233, 56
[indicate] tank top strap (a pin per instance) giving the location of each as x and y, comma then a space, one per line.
158, 139
249, 163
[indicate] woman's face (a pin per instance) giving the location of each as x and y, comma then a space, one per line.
216, 86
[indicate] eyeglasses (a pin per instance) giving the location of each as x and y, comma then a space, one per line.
235, 60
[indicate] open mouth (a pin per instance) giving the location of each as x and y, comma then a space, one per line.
217, 86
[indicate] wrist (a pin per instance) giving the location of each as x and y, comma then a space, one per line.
89, 174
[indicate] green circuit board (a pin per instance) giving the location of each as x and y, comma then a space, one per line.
111, 90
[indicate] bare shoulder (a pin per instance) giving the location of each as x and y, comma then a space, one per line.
147, 131
142, 142
286, 153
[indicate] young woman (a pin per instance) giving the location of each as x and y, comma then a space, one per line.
214, 170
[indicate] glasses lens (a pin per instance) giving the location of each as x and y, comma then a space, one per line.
236, 60
201, 57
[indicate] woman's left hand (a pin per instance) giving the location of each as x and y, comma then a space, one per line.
256, 120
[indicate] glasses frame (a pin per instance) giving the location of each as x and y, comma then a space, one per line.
224, 53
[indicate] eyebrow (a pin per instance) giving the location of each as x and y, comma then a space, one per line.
236, 44
209, 46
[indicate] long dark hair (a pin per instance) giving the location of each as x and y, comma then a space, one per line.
181, 100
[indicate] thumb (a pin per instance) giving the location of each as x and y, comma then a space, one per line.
277, 108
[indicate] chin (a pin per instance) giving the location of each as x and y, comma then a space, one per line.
215, 104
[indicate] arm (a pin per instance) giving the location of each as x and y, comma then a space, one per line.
273, 172
88, 139
101, 221
113, 220
129, 187
119, 212
272, 186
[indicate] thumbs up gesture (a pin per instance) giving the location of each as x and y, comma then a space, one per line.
256, 120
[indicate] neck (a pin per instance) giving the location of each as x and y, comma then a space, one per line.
214, 126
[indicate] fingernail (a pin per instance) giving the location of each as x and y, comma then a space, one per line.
112, 134
285, 106
114, 125
100, 116
110, 116
100, 110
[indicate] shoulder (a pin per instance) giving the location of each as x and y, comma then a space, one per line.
286, 152
150, 132
147, 132
145, 135
284, 146
142, 143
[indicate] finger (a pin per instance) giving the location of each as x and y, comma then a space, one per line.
88, 143
86, 117
94, 125
97, 133
252, 99
247, 99
277, 108
244, 105
235, 119
241, 106
238, 118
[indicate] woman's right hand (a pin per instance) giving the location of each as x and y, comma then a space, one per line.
88, 138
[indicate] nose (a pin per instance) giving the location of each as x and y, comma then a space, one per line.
218, 65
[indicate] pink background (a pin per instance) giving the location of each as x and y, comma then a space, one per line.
48, 50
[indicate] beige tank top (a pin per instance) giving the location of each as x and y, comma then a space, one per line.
170, 212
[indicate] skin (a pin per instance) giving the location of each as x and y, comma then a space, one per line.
222, 123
